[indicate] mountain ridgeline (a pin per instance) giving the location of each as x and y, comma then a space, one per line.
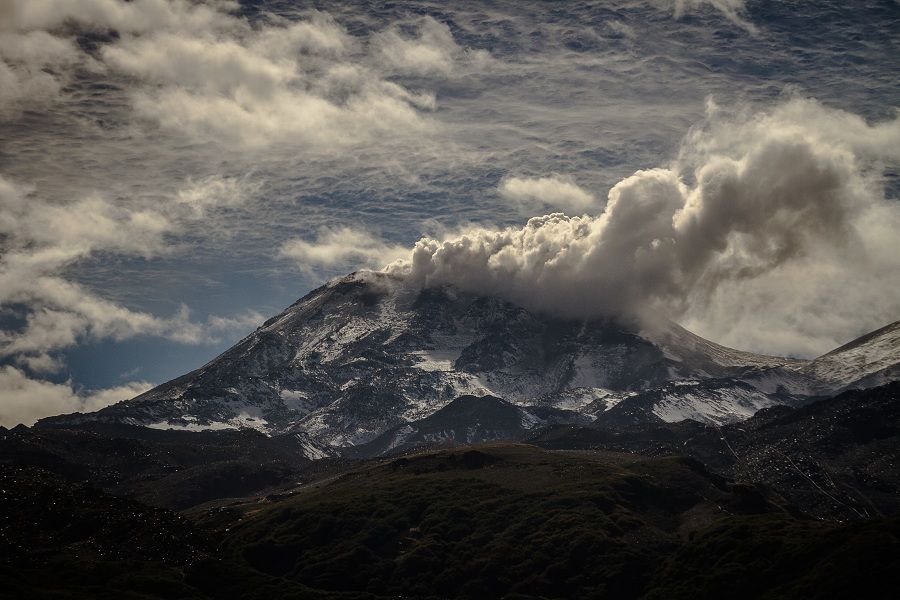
366, 356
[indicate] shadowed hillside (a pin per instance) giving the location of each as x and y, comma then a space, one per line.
508, 521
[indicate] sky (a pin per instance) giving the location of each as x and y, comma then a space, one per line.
174, 172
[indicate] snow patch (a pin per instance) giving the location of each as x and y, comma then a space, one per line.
711, 406
436, 360
189, 426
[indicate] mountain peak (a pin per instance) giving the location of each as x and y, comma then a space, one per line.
367, 352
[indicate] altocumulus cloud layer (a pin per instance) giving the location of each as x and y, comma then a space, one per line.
157, 155
784, 222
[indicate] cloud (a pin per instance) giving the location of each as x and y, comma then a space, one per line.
731, 9
531, 195
208, 193
203, 71
243, 322
41, 240
71, 231
302, 83
135, 16
38, 53
430, 51
26, 400
28, 62
342, 247
622, 29
783, 214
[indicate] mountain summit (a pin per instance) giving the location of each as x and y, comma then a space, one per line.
365, 354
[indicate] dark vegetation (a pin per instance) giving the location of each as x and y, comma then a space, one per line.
170, 469
838, 458
660, 512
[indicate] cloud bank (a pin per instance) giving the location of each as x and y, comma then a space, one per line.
767, 224
26, 400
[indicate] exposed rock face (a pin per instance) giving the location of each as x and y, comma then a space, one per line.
365, 354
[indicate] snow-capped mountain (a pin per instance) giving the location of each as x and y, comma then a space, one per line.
366, 354
868, 361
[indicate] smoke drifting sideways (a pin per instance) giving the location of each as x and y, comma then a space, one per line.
770, 231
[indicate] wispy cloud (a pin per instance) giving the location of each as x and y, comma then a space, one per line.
431, 50
202, 196
733, 10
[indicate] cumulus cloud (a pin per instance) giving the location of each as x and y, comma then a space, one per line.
74, 230
762, 218
342, 247
533, 194
25, 400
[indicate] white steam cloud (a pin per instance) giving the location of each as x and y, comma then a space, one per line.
765, 221
530, 195
341, 247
